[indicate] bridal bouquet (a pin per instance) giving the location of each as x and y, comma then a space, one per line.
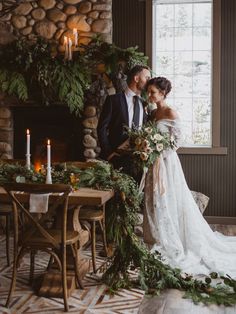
147, 143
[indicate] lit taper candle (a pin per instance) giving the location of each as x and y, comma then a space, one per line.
75, 33
66, 47
49, 175
27, 149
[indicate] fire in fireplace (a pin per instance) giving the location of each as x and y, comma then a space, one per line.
55, 123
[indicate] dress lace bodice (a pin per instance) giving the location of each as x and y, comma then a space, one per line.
171, 126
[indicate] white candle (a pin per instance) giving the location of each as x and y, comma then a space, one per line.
48, 176
48, 154
70, 49
66, 47
28, 149
75, 33
28, 142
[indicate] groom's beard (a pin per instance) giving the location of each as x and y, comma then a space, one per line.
141, 86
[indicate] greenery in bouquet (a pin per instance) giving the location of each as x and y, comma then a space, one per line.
147, 143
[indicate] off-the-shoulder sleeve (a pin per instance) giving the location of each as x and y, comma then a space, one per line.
174, 128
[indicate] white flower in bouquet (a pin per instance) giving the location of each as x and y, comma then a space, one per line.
156, 138
159, 147
148, 130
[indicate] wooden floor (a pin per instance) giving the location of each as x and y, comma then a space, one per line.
93, 299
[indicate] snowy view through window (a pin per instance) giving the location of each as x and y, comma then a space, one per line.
182, 35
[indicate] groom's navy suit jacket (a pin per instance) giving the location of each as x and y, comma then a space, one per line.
113, 118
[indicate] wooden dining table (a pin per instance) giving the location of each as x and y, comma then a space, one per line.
82, 196
51, 286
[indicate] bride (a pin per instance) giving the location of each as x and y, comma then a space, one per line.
173, 224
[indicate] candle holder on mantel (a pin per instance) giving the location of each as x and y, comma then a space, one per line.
48, 176
27, 161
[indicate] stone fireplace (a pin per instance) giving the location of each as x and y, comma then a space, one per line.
73, 138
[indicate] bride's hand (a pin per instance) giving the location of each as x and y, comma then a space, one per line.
125, 145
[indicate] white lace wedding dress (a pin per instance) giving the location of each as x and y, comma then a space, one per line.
173, 224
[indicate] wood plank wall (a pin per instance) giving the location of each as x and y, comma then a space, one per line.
214, 176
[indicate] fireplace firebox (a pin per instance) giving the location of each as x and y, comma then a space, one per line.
55, 123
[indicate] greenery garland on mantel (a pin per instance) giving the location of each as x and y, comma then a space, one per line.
130, 254
33, 70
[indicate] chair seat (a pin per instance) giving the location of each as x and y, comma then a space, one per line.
90, 214
35, 239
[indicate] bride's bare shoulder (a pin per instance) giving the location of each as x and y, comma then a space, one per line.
171, 114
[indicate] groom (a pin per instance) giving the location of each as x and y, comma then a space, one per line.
119, 110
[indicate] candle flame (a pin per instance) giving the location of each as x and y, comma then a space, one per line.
48, 142
27, 132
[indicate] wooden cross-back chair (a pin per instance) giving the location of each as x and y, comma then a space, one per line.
5, 209
36, 234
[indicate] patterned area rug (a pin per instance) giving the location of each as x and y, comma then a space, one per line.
93, 299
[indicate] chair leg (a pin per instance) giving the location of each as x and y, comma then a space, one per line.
103, 229
15, 259
32, 259
8, 239
94, 246
64, 279
13, 280
74, 249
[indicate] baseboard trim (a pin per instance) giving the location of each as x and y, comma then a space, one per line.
221, 220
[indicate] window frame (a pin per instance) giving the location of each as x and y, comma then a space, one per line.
215, 149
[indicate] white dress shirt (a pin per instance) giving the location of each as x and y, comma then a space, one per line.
129, 94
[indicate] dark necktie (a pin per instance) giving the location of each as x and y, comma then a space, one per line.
135, 122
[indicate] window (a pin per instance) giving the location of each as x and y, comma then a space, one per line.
184, 49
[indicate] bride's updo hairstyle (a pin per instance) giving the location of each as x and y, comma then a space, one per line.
161, 83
